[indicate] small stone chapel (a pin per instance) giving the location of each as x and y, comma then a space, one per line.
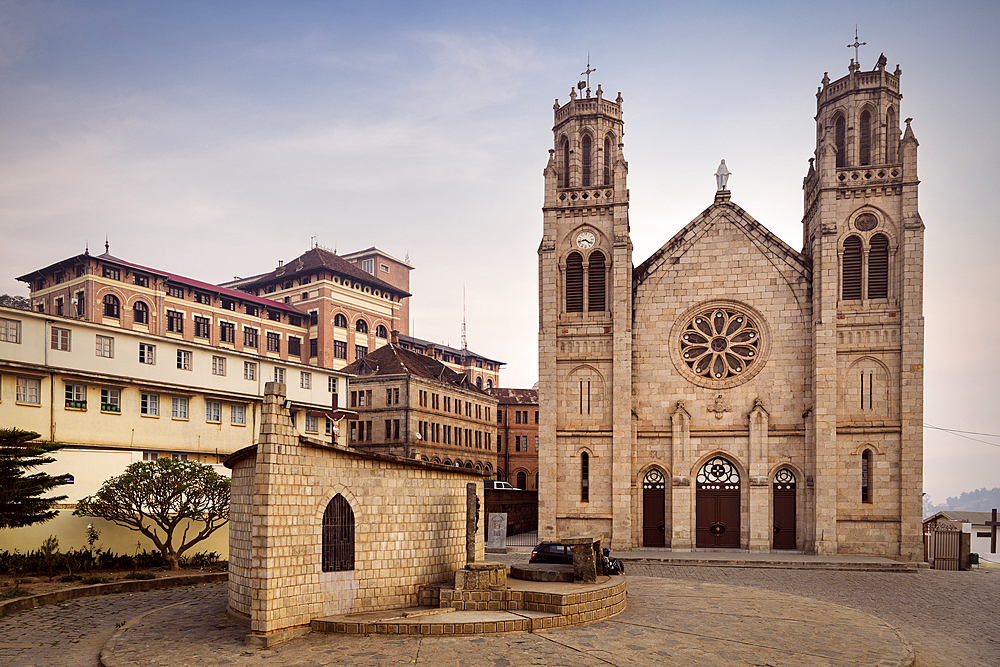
730, 391
317, 529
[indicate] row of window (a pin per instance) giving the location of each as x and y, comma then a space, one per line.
587, 161
76, 398
521, 443
453, 435
865, 138
520, 416
436, 401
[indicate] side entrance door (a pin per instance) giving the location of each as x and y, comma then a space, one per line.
783, 499
717, 511
653, 509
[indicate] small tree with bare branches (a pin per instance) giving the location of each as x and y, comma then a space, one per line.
156, 497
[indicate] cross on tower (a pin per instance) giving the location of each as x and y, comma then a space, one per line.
588, 72
856, 44
994, 524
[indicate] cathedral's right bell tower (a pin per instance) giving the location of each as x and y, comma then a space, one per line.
864, 235
584, 339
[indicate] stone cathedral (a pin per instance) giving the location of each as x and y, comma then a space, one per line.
730, 391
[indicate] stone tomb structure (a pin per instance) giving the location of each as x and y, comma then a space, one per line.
731, 391
319, 530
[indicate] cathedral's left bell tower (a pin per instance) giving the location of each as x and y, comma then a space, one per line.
584, 340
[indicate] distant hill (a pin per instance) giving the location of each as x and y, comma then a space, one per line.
980, 500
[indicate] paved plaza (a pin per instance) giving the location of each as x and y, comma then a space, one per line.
677, 615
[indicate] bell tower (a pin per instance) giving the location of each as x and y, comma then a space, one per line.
585, 311
864, 234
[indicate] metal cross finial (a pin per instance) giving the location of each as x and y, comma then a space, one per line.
588, 72
856, 44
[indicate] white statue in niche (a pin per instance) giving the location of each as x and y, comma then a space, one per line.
722, 176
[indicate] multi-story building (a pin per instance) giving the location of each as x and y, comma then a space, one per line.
120, 394
731, 391
346, 309
481, 371
412, 405
517, 436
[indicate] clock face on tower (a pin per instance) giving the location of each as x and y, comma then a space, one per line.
585, 239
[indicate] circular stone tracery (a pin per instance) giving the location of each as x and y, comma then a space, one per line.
720, 343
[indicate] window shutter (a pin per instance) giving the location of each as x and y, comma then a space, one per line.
852, 269
596, 278
574, 283
878, 267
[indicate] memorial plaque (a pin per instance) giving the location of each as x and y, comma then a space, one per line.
497, 538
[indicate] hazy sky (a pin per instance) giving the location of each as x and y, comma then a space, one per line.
213, 139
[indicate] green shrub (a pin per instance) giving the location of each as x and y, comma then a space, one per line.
140, 575
204, 559
71, 577
9, 593
96, 580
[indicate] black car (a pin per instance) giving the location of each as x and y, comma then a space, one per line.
550, 552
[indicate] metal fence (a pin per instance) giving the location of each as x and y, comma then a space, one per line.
528, 539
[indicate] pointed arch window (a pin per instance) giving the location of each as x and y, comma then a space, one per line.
878, 267
140, 313
574, 283
564, 173
840, 139
851, 267
891, 136
338, 535
608, 159
587, 158
596, 301
865, 139
866, 476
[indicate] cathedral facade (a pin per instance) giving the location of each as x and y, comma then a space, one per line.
731, 392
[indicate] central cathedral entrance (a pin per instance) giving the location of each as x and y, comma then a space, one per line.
718, 505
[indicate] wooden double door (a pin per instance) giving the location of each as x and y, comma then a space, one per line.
717, 505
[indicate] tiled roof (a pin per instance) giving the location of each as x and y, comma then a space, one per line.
962, 516
318, 258
419, 342
393, 360
508, 396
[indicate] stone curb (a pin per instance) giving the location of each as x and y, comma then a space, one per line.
774, 565
128, 586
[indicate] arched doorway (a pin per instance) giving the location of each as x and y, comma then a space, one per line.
522, 481
653, 509
718, 505
783, 500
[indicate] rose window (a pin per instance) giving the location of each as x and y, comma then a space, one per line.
720, 343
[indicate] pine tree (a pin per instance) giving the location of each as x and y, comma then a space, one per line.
21, 494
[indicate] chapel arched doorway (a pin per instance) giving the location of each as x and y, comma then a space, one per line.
717, 500
783, 501
653, 509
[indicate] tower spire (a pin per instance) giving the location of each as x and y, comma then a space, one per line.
857, 45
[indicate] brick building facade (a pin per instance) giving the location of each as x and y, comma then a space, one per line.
517, 436
730, 391
412, 405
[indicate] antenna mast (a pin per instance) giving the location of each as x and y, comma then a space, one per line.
465, 343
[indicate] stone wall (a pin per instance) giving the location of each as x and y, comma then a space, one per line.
409, 527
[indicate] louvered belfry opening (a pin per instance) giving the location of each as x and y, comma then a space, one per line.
596, 301
840, 138
608, 158
564, 175
878, 267
865, 139
338, 535
852, 269
587, 149
891, 136
574, 283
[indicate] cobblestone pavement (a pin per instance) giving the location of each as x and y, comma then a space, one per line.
667, 623
949, 617
71, 634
